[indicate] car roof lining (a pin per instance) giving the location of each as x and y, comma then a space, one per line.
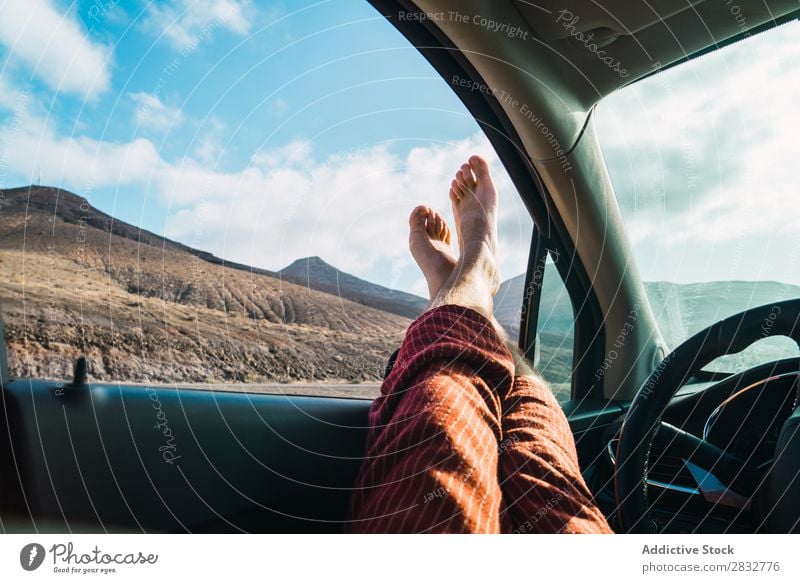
791, 16
649, 35
551, 79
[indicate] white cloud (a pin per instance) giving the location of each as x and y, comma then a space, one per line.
79, 162
55, 46
208, 145
279, 107
703, 160
350, 208
11, 98
294, 153
188, 23
701, 175
152, 113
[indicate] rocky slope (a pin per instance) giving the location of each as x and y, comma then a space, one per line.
681, 310
74, 280
314, 273
143, 308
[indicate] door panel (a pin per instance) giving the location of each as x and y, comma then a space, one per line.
175, 460
110, 457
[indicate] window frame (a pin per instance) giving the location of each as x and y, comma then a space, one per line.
549, 230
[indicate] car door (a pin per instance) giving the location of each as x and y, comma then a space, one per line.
203, 388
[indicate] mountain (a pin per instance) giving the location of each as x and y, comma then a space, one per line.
74, 280
555, 323
680, 309
144, 308
33, 201
555, 309
314, 273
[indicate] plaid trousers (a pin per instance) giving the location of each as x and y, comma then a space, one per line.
458, 444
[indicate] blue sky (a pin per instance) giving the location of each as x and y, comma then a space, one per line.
213, 122
265, 132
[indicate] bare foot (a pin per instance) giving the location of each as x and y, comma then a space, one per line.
429, 241
474, 199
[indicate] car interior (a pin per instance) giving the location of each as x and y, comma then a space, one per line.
665, 445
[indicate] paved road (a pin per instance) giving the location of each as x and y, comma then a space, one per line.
359, 391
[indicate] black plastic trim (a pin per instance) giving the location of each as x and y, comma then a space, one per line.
531, 296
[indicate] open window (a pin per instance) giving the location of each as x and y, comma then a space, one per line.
232, 215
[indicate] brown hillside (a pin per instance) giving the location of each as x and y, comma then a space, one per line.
143, 308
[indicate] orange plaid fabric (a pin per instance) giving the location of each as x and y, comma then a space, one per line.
458, 444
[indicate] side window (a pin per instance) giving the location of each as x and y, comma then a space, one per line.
555, 332
223, 198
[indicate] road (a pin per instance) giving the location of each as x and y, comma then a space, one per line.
350, 391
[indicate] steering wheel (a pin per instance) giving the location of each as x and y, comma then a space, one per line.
732, 476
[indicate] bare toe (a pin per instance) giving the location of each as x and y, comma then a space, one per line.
429, 241
417, 218
431, 225
469, 177
479, 166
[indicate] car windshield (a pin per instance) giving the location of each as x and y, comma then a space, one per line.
703, 160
